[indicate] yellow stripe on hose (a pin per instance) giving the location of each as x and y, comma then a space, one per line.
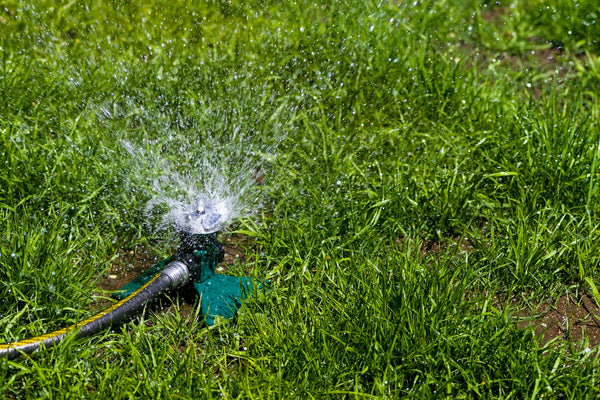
41, 338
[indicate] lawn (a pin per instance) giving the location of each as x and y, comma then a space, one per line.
418, 181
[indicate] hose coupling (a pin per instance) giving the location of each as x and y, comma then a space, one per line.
178, 272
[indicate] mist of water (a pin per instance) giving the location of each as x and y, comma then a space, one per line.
200, 183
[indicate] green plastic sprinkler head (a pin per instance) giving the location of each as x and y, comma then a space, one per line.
220, 295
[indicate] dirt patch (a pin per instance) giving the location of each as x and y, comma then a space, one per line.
128, 265
554, 66
235, 246
457, 244
465, 245
569, 318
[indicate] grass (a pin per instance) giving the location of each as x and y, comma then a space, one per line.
437, 169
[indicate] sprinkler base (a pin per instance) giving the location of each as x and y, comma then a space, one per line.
222, 295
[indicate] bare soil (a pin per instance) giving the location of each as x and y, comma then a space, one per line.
569, 318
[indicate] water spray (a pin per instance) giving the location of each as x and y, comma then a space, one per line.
197, 256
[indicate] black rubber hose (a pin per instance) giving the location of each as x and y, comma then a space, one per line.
175, 275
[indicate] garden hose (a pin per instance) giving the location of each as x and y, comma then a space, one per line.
175, 275
195, 261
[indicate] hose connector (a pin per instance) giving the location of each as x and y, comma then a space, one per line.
178, 272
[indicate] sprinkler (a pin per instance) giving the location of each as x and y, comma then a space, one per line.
220, 295
194, 262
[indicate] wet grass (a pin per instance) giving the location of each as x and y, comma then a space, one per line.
402, 126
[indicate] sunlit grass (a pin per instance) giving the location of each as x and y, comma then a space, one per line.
400, 127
